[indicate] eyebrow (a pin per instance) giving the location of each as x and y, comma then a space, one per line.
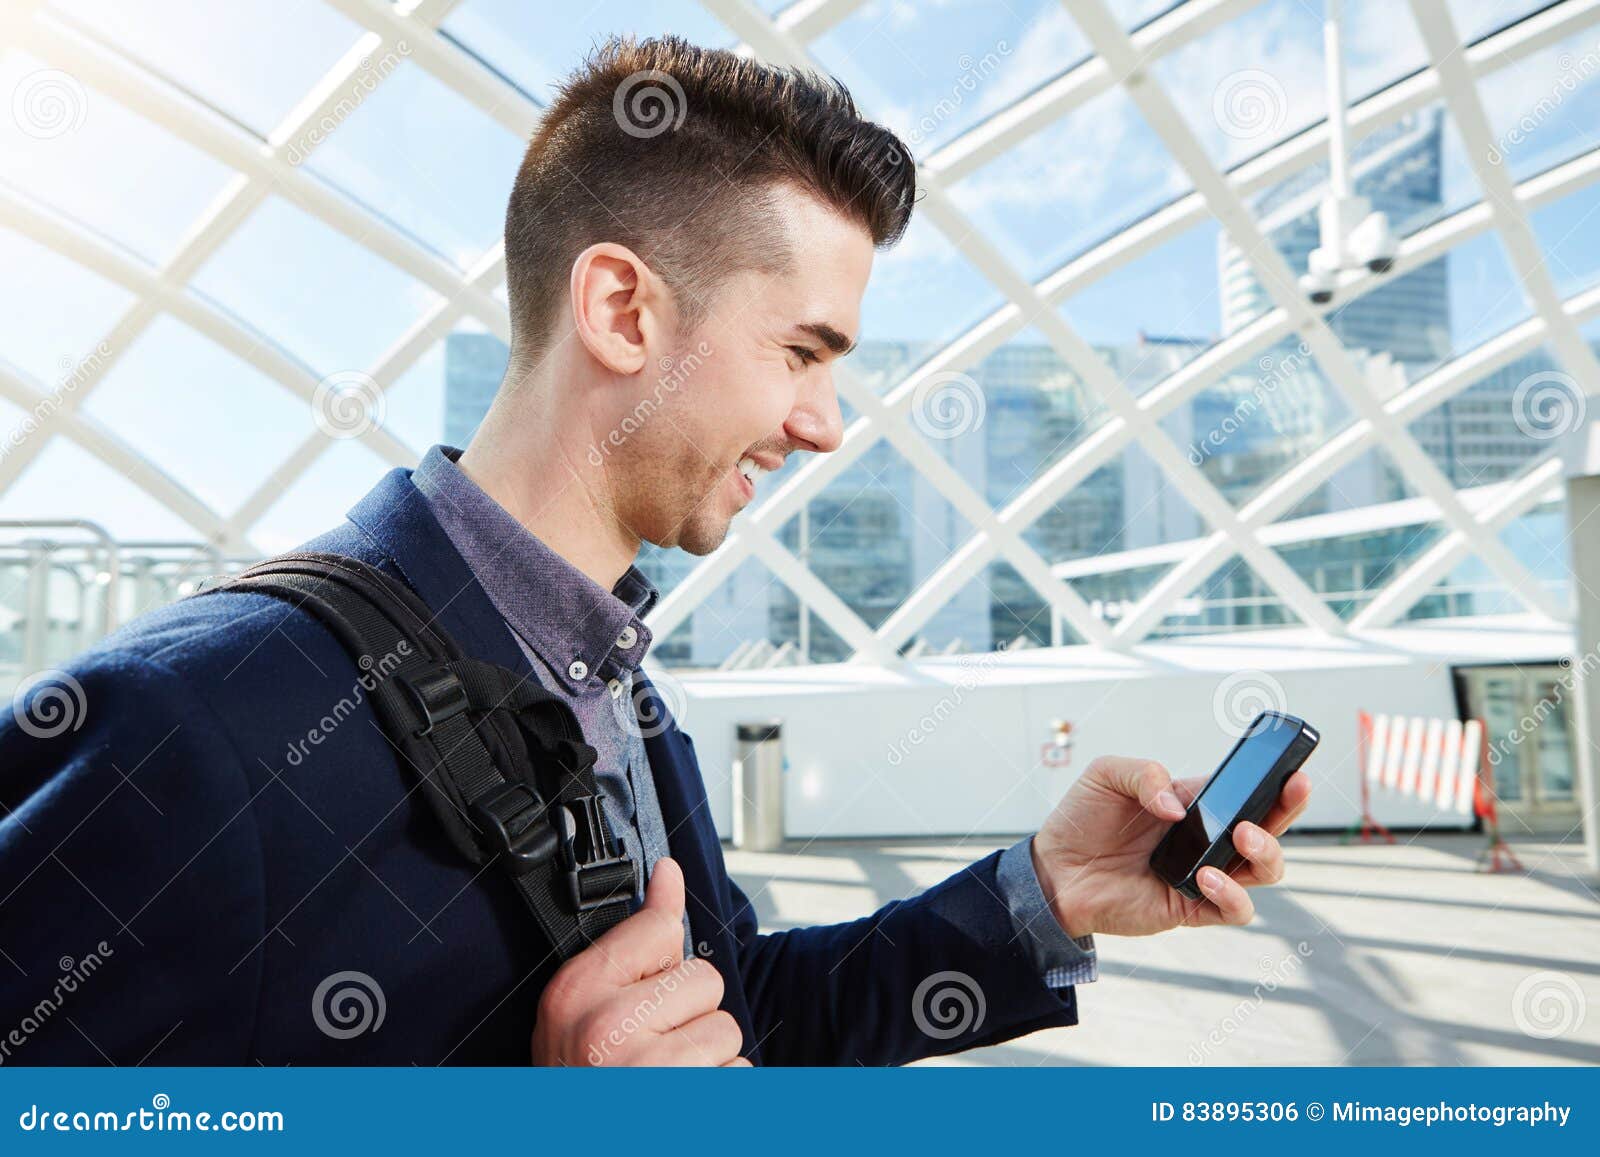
837, 343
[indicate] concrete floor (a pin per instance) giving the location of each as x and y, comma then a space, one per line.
1366, 955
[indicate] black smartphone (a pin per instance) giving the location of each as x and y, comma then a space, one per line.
1243, 788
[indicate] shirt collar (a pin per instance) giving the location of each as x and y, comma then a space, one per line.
585, 634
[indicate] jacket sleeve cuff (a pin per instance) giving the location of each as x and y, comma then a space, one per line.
1060, 959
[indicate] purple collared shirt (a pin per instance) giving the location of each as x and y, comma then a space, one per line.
585, 644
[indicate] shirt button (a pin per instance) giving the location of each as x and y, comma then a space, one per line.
579, 669
616, 688
628, 637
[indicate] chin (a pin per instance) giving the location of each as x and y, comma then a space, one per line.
703, 531
702, 540
697, 531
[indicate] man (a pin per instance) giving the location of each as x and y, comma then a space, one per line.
225, 830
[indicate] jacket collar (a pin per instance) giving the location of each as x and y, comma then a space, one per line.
394, 520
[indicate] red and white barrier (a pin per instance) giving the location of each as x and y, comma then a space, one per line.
1439, 761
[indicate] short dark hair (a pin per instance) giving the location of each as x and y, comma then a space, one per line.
674, 151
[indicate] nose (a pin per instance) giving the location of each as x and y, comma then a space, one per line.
815, 423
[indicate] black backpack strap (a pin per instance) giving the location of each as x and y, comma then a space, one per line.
524, 795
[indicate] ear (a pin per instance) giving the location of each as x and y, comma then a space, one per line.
620, 308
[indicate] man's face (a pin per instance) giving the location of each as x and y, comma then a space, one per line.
750, 385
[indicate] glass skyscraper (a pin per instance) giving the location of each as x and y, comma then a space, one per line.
474, 363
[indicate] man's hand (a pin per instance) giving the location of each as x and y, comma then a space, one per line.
1093, 854
630, 998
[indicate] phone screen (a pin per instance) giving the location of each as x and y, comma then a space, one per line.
1251, 760
1222, 798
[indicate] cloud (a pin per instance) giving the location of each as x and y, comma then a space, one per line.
1273, 40
1048, 46
1081, 165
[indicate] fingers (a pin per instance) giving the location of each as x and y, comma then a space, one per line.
675, 998
1187, 790
713, 1039
1146, 781
1264, 865
1232, 903
1291, 801
1226, 901
1262, 853
1167, 799
646, 943
631, 998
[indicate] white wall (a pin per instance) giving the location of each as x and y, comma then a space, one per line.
854, 769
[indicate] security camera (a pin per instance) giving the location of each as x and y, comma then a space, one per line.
1372, 243
1318, 285
1354, 237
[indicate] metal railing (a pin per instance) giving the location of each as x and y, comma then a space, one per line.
67, 583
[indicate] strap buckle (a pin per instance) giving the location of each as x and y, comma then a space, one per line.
597, 874
438, 695
517, 823
573, 756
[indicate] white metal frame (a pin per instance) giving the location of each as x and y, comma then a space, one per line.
1121, 59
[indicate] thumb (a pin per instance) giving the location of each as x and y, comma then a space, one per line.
649, 941
664, 892
663, 903
1148, 782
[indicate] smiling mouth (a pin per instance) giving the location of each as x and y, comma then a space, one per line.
750, 470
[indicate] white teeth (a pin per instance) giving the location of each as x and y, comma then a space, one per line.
750, 469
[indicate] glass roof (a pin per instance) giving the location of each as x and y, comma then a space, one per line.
1074, 379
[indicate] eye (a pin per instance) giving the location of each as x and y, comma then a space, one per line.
806, 354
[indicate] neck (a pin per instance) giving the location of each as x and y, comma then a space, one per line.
550, 493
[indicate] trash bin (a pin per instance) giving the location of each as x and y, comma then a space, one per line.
758, 786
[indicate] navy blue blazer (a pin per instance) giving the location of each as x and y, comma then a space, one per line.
197, 868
